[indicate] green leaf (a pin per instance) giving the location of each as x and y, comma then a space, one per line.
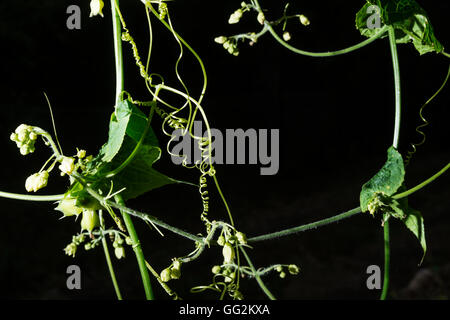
138, 177
117, 129
127, 119
410, 21
387, 181
137, 125
415, 223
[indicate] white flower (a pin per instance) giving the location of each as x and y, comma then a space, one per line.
96, 8
36, 181
67, 165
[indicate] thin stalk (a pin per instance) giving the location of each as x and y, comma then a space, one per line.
398, 102
423, 184
108, 260
28, 197
118, 55
117, 32
257, 277
387, 258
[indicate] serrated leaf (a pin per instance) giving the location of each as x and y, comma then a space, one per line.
415, 223
387, 181
410, 21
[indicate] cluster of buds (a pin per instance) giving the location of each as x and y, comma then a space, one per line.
71, 248
162, 9
172, 272
96, 8
292, 269
25, 138
36, 181
119, 250
236, 16
229, 44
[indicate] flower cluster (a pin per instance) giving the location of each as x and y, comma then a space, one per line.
25, 138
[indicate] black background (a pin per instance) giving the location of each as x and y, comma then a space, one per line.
335, 117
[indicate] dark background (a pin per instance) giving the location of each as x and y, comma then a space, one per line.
335, 117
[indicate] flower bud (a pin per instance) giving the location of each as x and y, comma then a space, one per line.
90, 220
235, 17
221, 241
293, 269
282, 275
96, 8
304, 20
71, 249
286, 36
175, 273
68, 207
36, 181
241, 237
261, 18
166, 275
67, 165
220, 40
216, 269
119, 252
228, 253
81, 154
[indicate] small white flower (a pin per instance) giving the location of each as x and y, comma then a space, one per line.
96, 8
67, 165
36, 181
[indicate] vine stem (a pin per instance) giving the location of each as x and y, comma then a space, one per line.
137, 250
108, 259
423, 184
395, 65
305, 227
117, 32
29, 197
